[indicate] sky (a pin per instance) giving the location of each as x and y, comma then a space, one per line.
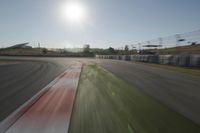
104, 23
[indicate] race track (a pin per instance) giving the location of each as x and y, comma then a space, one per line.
176, 90
26, 76
19, 82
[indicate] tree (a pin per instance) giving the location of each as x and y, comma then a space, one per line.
126, 49
111, 50
44, 51
86, 48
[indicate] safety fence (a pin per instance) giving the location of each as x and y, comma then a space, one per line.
179, 60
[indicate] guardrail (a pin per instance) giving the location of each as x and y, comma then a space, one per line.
179, 60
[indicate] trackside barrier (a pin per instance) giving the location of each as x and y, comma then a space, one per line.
164, 59
179, 60
195, 60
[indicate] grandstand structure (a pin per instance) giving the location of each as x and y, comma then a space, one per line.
21, 45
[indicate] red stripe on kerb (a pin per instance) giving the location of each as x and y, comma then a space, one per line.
52, 111
72, 74
53, 108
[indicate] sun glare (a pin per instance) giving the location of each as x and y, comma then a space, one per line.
74, 12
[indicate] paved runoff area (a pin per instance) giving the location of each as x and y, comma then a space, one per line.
49, 110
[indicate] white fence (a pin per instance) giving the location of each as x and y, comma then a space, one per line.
180, 60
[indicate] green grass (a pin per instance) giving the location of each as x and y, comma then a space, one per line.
187, 70
107, 104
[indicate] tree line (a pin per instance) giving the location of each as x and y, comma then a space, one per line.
108, 51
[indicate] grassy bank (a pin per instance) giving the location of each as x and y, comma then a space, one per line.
187, 70
107, 104
187, 49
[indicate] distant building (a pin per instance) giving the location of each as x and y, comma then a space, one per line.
21, 45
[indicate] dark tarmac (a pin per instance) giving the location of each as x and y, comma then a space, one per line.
19, 82
177, 90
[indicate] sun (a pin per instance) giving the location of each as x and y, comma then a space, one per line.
74, 12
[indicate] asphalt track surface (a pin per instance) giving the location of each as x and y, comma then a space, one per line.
176, 90
107, 104
50, 111
19, 82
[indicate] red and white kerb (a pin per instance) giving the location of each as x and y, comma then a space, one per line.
50, 110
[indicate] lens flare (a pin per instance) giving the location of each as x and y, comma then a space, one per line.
74, 12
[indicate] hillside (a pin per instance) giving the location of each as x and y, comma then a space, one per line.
190, 49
